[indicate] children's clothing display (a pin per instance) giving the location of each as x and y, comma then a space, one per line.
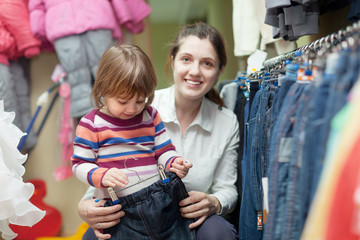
80, 33
17, 46
79, 55
17, 39
20, 88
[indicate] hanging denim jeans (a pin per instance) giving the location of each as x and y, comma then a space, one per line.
297, 190
315, 144
250, 204
279, 163
255, 162
153, 213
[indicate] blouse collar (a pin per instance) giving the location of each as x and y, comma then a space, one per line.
203, 119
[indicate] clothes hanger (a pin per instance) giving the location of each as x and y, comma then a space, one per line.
140, 180
161, 172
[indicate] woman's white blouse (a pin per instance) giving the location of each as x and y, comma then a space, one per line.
211, 143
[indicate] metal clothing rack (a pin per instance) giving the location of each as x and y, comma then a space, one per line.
323, 44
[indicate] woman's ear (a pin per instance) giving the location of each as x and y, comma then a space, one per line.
221, 71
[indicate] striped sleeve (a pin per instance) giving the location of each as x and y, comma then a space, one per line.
86, 147
164, 149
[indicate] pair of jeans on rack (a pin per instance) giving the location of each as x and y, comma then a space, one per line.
256, 160
279, 165
154, 213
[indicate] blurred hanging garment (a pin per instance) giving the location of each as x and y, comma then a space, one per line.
15, 207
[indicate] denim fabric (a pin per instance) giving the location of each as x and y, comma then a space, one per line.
153, 213
315, 144
243, 163
335, 85
286, 83
354, 11
214, 227
239, 110
256, 161
340, 90
279, 100
278, 170
250, 202
297, 192
276, 106
264, 121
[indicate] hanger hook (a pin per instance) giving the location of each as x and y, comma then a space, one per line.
132, 169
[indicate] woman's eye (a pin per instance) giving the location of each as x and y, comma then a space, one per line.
186, 59
208, 64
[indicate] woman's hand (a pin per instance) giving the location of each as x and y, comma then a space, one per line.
199, 205
99, 217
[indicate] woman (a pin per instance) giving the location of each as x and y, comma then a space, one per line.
201, 130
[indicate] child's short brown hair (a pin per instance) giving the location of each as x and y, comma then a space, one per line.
124, 71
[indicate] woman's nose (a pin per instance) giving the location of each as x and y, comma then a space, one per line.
195, 69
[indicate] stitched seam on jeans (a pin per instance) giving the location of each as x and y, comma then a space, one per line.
144, 221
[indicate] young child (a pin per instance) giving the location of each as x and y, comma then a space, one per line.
121, 143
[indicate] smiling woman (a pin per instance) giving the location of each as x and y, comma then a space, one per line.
194, 118
196, 68
197, 64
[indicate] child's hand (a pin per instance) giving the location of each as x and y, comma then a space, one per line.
181, 167
115, 177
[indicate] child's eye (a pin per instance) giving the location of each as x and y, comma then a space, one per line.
122, 101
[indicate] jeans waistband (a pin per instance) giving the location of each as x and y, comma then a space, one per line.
148, 192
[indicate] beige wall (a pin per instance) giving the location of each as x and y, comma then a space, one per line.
41, 162
219, 15
64, 195
161, 36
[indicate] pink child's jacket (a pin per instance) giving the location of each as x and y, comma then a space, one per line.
53, 19
16, 38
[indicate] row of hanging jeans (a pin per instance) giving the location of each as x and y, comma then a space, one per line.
285, 143
335, 209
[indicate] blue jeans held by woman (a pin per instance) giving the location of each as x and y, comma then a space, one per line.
153, 213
